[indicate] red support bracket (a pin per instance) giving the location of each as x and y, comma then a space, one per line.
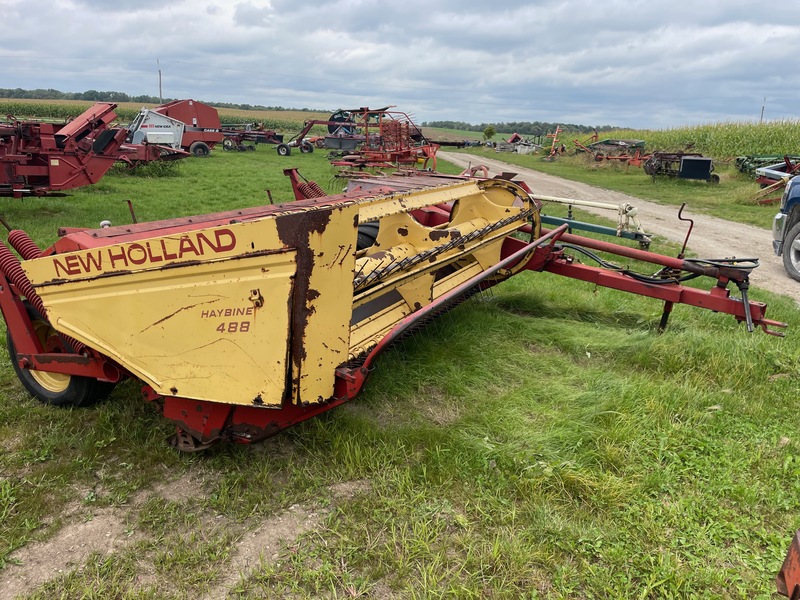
788, 579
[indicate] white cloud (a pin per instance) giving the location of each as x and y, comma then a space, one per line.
640, 63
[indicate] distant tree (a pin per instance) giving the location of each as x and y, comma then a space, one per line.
92, 95
489, 132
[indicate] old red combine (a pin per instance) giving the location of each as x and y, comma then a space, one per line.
242, 323
38, 158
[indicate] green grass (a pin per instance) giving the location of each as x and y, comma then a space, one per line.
541, 442
443, 133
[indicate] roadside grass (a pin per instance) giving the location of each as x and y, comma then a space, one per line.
540, 441
733, 199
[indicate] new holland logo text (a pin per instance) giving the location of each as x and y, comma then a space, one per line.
145, 252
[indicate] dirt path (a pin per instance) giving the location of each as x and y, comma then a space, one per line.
711, 238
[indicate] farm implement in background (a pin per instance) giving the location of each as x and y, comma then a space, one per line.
519, 145
195, 127
284, 309
681, 165
242, 138
556, 147
37, 158
368, 138
625, 151
42, 158
748, 164
183, 125
773, 179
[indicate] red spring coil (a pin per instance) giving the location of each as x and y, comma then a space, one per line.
13, 271
304, 189
316, 189
9, 265
24, 245
310, 189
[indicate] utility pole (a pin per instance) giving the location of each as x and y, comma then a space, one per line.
161, 97
761, 121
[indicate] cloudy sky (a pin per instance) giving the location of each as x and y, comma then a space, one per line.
637, 63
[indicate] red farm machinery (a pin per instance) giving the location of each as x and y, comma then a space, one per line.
187, 125
242, 138
38, 158
195, 127
773, 178
631, 152
369, 138
242, 323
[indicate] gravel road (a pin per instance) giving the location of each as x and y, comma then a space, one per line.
711, 237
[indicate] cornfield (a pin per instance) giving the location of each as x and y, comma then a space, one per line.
126, 111
721, 140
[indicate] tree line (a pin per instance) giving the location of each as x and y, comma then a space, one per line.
98, 96
534, 128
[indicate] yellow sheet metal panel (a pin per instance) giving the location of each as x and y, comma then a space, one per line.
286, 279
212, 331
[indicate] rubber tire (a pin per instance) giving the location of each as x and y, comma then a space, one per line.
199, 149
54, 388
228, 144
306, 147
283, 150
791, 254
714, 179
